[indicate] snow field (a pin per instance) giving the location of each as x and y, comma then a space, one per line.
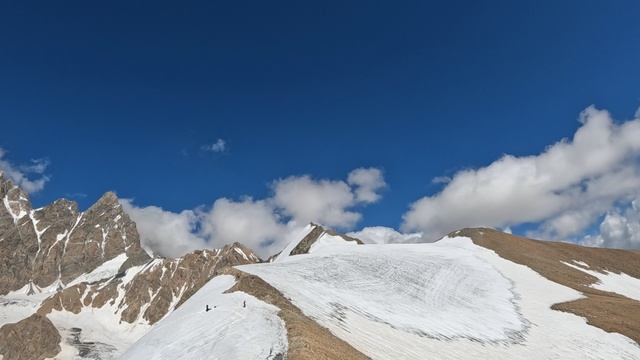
227, 332
101, 325
446, 300
622, 283
327, 240
104, 271
17, 305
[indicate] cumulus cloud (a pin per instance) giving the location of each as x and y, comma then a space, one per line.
368, 182
322, 201
384, 235
163, 232
218, 146
252, 223
620, 228
264, 225
29, 177
564, 189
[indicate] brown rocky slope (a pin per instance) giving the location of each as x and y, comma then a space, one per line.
153, 290
307, 340
55, 244
33, 338
609, 311
51, 249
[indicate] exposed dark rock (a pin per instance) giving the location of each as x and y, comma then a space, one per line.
33, 338
56, 242
161, 286
305, 244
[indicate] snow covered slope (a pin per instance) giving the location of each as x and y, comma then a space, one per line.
102, 318
230, 331
97, 332
312, 238
22, 303
622, 283
447, 300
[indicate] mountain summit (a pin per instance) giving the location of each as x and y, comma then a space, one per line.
79, 284
55, 244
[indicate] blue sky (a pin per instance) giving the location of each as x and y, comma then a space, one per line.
121, 96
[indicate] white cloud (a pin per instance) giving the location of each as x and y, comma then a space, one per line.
323, 201
564, 189
264, 225
620, 228
252, 223
163, 232
20, 174
35, 166
218, 146
368, 182
384, 235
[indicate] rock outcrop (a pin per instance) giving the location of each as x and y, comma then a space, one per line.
609, 311
66, 261
33, 338
55, 244
307, 340
316, 232
147, 293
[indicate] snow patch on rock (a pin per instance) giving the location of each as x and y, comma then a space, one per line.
622, 283
106, 270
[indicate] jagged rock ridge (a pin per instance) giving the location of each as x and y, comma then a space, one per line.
145, 294
85, 274
317, 231
55, 244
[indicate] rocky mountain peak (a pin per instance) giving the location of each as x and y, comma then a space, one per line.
15, 200
5, 183
108, 198
312, 235
63, 259
61, 206
57, 243
316, 232
145, 294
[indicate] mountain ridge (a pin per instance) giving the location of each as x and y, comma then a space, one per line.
81, 277
79, 284
57, 243
607, 310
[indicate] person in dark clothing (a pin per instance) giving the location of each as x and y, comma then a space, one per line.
207, 308
244, 304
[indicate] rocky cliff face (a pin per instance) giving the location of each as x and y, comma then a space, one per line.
312, 237
93, 289
145, 294
53, 245
32, 338
101, 319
